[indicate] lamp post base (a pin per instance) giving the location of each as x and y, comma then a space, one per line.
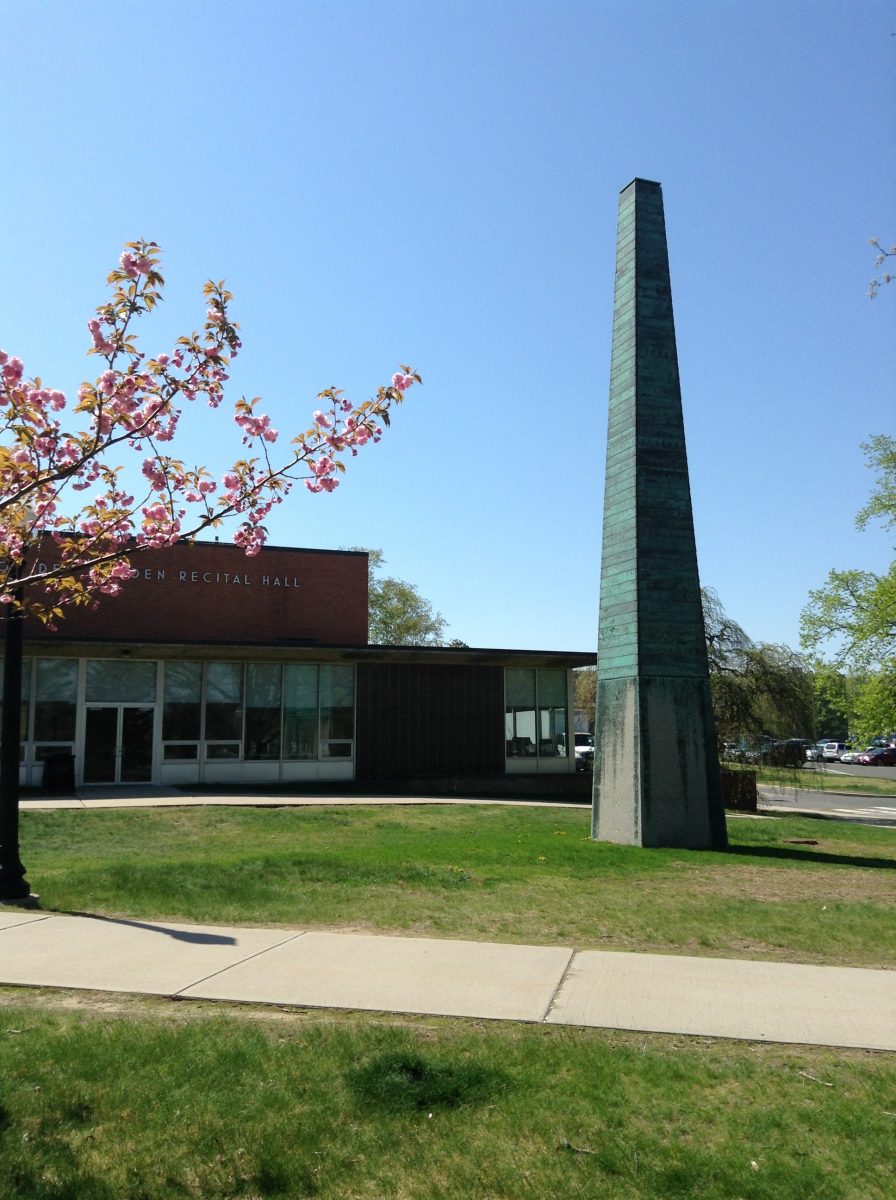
14, 887
29, 900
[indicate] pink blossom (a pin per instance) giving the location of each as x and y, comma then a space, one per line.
154, 473
135, 264
132, 407
13, 368
100, 342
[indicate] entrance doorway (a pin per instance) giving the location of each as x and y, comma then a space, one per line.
118, 744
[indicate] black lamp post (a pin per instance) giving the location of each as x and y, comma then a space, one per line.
13, 884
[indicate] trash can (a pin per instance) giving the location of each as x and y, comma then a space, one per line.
59, 772
739, 790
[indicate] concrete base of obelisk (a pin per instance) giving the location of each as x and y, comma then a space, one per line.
656, 770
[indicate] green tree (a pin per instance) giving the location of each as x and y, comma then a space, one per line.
397, 614
833, 702
757, 688
880, 451
857, 609
875, 709
585, 679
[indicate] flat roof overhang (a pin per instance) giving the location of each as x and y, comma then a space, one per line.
308, 652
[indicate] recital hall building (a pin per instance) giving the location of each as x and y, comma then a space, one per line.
214, 668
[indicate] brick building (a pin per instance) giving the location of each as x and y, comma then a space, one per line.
215, 668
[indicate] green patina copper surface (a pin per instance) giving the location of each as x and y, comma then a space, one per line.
656, 771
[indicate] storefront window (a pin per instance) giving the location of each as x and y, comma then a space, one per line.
535, 713
337, 711
182, 710
519, 713
115, 681
551, 686
262, 737
300, 718
224, 703
56, 699
222, 750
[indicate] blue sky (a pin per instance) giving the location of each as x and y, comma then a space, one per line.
436, 183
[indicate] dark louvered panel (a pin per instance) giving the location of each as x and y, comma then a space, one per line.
418, 720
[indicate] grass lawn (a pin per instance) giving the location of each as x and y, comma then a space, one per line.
106, 1097
111, 1098
789, 889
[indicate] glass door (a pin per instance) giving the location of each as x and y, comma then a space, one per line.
118, 744
135, 763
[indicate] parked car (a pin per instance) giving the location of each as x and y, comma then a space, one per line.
583, 747
584, 751
832, 751
882, 756
815, 753
789, 753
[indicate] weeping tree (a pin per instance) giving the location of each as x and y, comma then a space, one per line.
758, 689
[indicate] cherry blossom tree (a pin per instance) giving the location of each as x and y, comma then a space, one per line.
67, 483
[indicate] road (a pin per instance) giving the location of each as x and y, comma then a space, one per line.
877, 810
857, 772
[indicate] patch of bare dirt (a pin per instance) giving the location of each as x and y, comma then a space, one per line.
783, 884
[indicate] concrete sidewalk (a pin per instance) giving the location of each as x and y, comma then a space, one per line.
757, 1001
93, 799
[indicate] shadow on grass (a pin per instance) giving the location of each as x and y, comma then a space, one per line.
812, 856
410, 1081
197, 938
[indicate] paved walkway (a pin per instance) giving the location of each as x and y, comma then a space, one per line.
557, 985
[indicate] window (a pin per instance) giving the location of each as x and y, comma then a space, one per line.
56, 699
551, 688
535, 713
258, 711
224, 703
182, 710
262, 737
113, 681
300, 718
337, 711
519, 713
55, 706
